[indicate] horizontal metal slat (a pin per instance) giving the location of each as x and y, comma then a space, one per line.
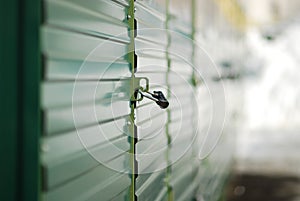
162, 195
81, 139
63, 44
78, 150
146, 114
101, 182
152, 163
121, 196
157, 6
181, 147
152, 145
64, 94
180, 26
176, 127
184, 133
152, 64
57, 174
158, 78
122, 2
59, 69
112, 8
151, 53
150, 188
141, 179
182, 47
149, 15
97, 17
62, 119
148, 131
190, 190
183, 167
182, 66
181, 16
151, 24
150, 47
151, 155
182, 113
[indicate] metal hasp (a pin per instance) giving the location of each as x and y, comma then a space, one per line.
156, 96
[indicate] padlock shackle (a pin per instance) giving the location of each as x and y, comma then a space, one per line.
157, 97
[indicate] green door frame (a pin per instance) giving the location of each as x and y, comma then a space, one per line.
19, 116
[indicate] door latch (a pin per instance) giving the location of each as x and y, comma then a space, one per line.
156, 96
141, 92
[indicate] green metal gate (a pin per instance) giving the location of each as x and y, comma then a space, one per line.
83, 128
91, 54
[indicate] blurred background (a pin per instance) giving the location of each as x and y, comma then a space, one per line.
255, 45
265, 46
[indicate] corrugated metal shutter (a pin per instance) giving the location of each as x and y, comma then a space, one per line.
167, 165
78, 93
87, 82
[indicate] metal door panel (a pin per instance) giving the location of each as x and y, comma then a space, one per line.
151, 24
121, 196
85, 100
152, 162
88, 17
156, 5
175, 127
91, 186
72, 30
148, 48
149, 113
182, 66
61, 119
153, 144
153, 64
181, 12
152, 17
150, 64
155, 52
151, 187
64, 94
147, 33
63, 69
182, 48
181, 147
62, 44
58, 173
189, 192
91, 136
112, 8
83, 148
150, 128
163, 195
122, 2
180, 26
160, 79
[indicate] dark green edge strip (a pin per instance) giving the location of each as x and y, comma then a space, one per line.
20, 118
30, 99
9, 96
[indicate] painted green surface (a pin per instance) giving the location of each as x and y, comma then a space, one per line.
69, 171
84, 142
20, 76
9, 100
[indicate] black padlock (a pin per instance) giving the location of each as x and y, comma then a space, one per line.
156, 96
